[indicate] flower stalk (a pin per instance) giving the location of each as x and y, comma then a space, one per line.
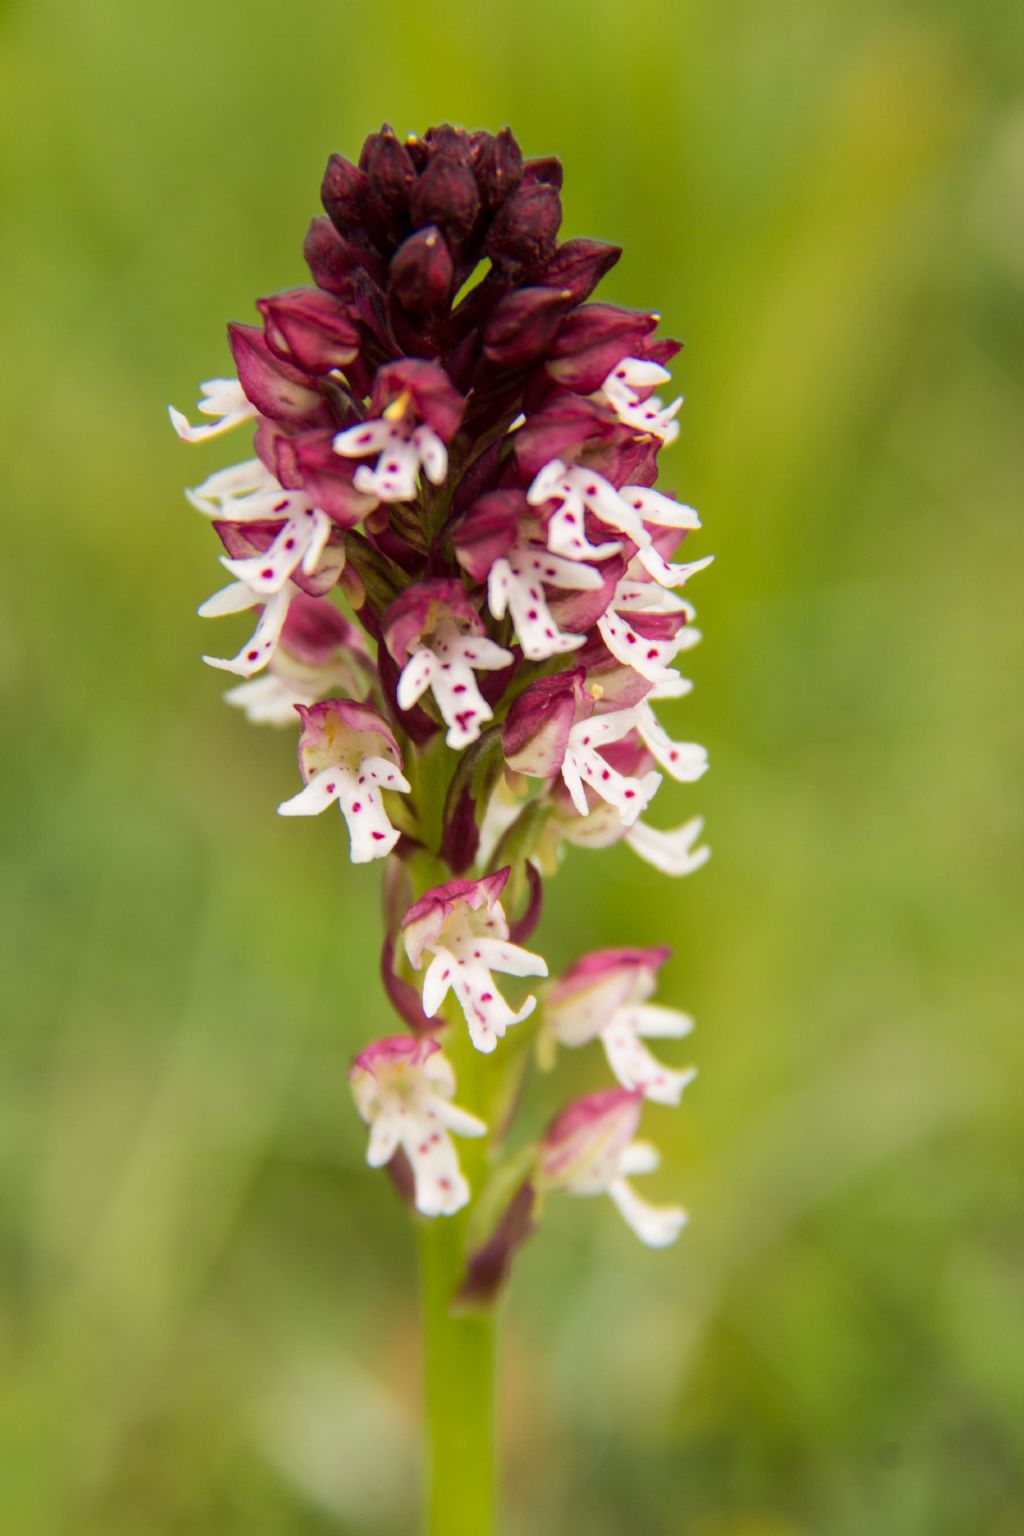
466, 597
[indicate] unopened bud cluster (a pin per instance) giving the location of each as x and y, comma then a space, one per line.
466, 596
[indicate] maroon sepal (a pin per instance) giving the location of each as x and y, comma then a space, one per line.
578, 266
402, 995
309, 328
536, 729
275, 388
488, 531
523, 324
488, 1268
629, 756
562, 430
309, 460
416, 611
315, 630
578, 612
633, 462
662, 351
592, 340
435, 400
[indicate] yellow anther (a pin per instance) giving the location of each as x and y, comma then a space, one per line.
398, 407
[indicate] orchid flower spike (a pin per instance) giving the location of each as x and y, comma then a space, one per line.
470, 598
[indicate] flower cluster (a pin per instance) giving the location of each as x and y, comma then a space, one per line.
467, 594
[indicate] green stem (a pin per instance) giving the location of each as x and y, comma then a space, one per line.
459, 1380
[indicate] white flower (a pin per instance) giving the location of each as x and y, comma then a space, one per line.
446, 664
650, 417
462, 925
348, 755
604, 996
261, 645
403, 1090
685, 761
589, 1150
673, 853
651, 658
516, 585
583, 764
403, 453
580, 491
222, 398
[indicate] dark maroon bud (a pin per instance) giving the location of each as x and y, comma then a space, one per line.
446, 195
275, 388
522, 326
433, 398
344, 192
547, 170
391, 172
525, 227
488, 531
310, 329
592, 340
537, 726
579, 266
421, 272
446, 140
336, 261
329, 258
499, 167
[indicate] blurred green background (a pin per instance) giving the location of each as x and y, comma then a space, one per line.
208, 1302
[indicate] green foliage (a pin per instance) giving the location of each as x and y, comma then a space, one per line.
208, 1321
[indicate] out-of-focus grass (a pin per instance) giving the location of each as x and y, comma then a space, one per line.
209, 1323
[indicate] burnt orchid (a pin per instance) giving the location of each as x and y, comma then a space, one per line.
465, 595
